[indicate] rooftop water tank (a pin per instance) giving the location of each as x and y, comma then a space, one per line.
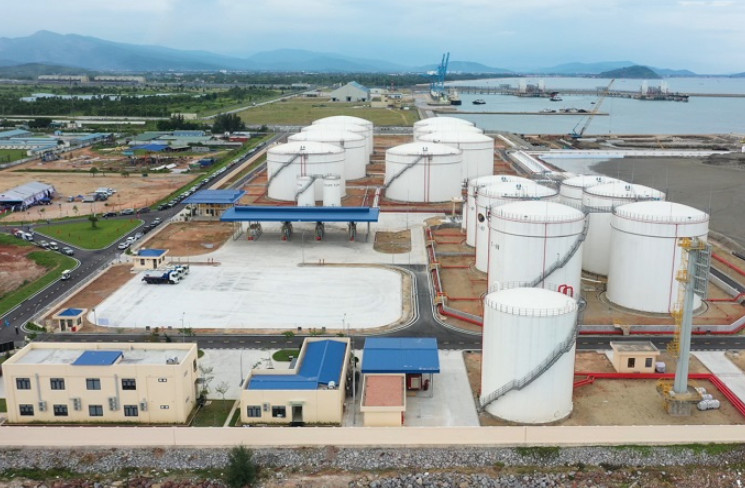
571, 189
522, 329
645, 256
285, 162
351, 122
468, 220
498, 194
331, 191
423, 172
478, 150
529, 239
598, 201
354, 145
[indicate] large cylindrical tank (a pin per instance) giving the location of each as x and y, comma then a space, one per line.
499, 194
478, 151
571, 189
527, 238
304, 191
423, 172
354, 145
442, 121
446, 126
598, 201
332, 191
468, 221
347, 121
285, 162
645, 256
522, 328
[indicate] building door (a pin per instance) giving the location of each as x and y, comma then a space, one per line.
297, 414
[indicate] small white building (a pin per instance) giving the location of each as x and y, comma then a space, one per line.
351, 92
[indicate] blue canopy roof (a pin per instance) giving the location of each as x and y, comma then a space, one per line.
97, 358
300, 214
152, 147
71, 312
226, 197
323, 362
151, 253
400, 355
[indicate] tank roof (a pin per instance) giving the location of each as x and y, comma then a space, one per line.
442, 120
306, 147
584, 181
625, 190
530, 301
661, 212
323, 133
418, 148
516, 189
447, 136
493, 179
537, 211
343, 119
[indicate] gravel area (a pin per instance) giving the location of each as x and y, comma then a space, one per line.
383, 468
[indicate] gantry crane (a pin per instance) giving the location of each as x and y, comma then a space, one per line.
577, 135
438, 85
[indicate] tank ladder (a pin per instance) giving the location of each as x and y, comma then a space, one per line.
560, 263
561, 349
405, 169
284, 165
313, 179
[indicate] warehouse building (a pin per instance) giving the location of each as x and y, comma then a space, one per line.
310, 392
351, 92
26, 195
105, 382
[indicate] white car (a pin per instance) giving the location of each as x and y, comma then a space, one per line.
123, 245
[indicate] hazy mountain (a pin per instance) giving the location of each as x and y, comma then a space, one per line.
585, 68
674, 72
465, 67
301, 60
33, 70
631, 72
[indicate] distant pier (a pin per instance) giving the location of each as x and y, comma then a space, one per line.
635, 94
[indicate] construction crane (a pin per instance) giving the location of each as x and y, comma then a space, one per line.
438, 85
577, 135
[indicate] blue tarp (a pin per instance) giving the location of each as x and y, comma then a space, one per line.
400, 355
323, 362
301, 214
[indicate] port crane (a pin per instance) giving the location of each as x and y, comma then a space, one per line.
577, 135
438, 85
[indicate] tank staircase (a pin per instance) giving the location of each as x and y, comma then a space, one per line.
560, 263
404, 170
279, 170
312, 180
520, 383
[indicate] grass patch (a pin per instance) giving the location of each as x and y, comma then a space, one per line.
301, 111
53, 262
284, 354
235, 418
82, 235
214, 414
10, 155
709, 449
3, 405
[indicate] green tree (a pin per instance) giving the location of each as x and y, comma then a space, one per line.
228, 123
93, 171
94, 221
241, 470
75, 209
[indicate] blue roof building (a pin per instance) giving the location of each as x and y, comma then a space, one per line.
411, 356
149, 259
211, 204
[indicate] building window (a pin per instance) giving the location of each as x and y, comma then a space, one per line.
95, 410
60, 410
130, 411
279, 412
26, 410
93, 384
23, 383
253, 411
129, 384
57, 383
648, 362
632, 362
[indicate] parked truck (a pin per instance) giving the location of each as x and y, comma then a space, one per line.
170, 277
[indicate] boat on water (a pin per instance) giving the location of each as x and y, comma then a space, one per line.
454, 98
555, 97
479, 101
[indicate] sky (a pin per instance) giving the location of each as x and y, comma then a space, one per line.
705, 36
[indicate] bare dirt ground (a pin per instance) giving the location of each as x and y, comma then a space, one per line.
737, 357
619, 402
393, 242
191, 238
16, 269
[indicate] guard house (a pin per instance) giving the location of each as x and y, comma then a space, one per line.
393, 367
149, 259
634, 356
69, 319
148, 383
310, 392
210, 204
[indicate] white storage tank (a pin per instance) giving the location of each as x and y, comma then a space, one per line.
526, 239
446, 126
423, 172
468, 220
645, 256
598, 201
332, 191
498, 194
354, 145
438, 122
304, 192
572, 189
522, 328
285, 162
478, 151
351, 122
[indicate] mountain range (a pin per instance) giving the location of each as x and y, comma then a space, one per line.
94, 54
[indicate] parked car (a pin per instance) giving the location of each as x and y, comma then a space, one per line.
156, 221
127, 211
109, 215
123, 245
130, 239
66, 274
53, 246
143, 210
162, 206
139, 235
44, 244
68, 251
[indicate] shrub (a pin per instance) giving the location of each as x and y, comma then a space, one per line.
241, 470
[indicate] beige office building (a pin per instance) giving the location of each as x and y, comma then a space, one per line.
634, 356
103, 382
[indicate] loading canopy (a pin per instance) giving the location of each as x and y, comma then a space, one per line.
300, 214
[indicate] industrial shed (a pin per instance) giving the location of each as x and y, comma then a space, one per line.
212, 203
351, 92
26, 195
